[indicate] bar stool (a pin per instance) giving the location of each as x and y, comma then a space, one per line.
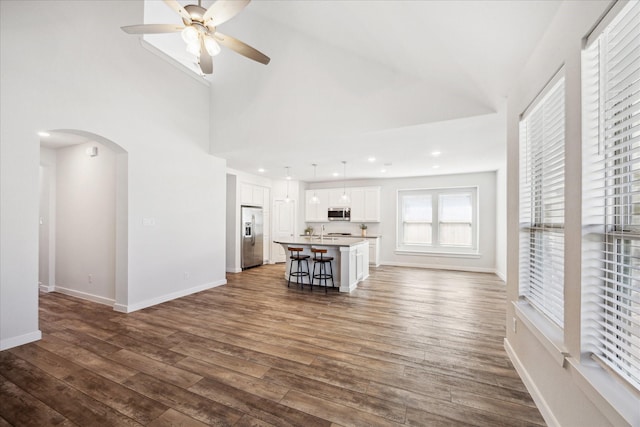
322, 270
299, 272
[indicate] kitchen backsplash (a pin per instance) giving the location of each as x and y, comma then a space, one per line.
343, 227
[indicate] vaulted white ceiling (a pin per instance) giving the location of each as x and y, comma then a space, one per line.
349, 80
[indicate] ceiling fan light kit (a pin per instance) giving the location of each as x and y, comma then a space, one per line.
200, 33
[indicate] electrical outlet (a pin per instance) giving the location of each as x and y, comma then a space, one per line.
514, 324
90, 278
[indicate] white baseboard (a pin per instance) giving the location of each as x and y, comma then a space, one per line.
440, 267
168, 297
501, 275
84, 295
234, 270
46, 288
8, 343
540, 402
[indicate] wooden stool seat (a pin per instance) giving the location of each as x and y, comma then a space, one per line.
297, 257
319, 258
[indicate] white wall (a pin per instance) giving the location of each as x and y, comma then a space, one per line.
47, 220
60, 72
86, 222
501, 223
569, 391
487, 211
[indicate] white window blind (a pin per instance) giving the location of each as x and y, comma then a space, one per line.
417, 214
455, 219
542, 202
611, 194
431, 220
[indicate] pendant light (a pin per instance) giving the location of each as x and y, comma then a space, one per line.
314, 199
344, 198
287, 199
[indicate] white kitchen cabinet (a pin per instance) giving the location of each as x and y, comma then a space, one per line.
335, 198
252, 195
316, 212
365, 204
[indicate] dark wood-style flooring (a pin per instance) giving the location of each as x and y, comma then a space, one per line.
409, 347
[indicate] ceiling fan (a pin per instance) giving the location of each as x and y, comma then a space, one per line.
200, 31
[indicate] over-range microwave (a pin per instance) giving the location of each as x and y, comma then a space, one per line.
339, 214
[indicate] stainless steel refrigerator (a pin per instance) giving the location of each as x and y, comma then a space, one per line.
252, 226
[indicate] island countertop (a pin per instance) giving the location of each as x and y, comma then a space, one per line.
326, 241
349, 259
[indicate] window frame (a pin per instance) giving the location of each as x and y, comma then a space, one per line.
611, 172
436, 247
541, 182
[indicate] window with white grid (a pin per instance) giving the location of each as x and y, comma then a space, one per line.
611, 194
542, 202
438, 220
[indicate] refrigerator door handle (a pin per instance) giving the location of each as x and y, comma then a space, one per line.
253, 227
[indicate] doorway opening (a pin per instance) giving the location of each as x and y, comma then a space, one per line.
83, 217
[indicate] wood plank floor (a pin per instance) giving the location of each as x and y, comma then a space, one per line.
409, 347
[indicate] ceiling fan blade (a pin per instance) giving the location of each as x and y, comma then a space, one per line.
206, 63
242, 48
152, 28
177, 7
223, 10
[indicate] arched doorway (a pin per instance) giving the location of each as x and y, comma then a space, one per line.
84, 217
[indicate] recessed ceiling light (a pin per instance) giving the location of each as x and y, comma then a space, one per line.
436, 166
335, 174
435, 153
289, 178
261, 170
44, 134
383, 170
372, 159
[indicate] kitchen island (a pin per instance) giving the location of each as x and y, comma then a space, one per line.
350, 258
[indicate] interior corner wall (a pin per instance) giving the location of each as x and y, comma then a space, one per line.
128, 95
232, 261
86, 222
501, 223
565, 396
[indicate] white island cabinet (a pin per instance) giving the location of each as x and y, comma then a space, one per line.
350, 258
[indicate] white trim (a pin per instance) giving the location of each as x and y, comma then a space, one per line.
440, 267
548, 333
179, 65
618, 402
501, 275
8, 343
439, 254
46, 288
168, 297
233, 270
84, 295
536, 395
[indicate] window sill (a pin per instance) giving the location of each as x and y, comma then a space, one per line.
550, 335
439, 254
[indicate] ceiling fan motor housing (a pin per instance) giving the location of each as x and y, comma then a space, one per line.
196, 13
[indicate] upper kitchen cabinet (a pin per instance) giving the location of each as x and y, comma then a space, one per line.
365, 204
316, 212
252, 195
336, 200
